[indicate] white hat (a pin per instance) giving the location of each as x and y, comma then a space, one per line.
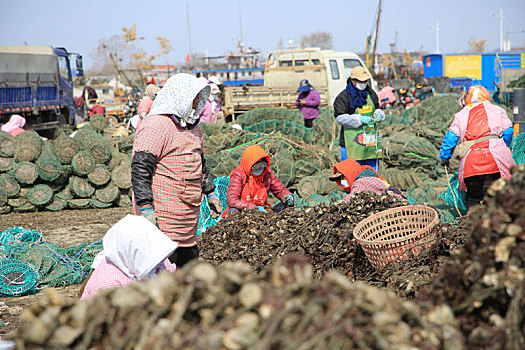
213, 79
214, 89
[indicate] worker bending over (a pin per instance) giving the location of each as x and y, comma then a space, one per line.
484, 131
251, 181
354, 178
134, 250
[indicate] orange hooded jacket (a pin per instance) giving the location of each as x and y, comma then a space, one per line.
247, 190
350, 170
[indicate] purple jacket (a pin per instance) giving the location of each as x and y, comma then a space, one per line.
310, 110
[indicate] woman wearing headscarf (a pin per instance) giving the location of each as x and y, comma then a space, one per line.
212, 108
15, 125
251, 182
168, 169
134, 250
354, 178
356, 110
484, 132
308, 102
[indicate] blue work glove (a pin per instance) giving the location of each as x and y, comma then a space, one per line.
289, 200
261, 209
378, 116
149, 213
364, 119
215, 205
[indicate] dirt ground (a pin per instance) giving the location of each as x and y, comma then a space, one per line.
65, 228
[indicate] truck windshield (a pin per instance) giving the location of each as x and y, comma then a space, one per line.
63, 68
349, 64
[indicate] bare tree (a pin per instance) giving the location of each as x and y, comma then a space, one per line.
321, 39
477, 45
115, 45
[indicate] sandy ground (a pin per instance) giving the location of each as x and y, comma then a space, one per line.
65, 228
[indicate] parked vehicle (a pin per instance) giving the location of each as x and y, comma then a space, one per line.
37, 83
326, 70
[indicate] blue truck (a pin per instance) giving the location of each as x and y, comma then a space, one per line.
37, 83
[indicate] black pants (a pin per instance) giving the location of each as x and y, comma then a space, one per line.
476, 186
308, 123
183, 255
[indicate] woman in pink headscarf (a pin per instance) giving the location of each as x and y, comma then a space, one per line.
14, 125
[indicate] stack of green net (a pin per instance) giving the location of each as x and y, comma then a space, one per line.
54, 266
27, 146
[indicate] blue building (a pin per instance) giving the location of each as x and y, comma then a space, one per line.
477, 68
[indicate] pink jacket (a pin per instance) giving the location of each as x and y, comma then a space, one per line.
498, 121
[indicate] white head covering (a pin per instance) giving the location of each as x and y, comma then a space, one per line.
214, 80
135, 246
177, 95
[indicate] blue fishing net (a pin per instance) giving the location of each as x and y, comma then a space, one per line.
205, 219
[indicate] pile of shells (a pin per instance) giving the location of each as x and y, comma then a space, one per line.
484, 282
206, 307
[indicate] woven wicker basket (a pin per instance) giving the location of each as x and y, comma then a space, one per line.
396, 234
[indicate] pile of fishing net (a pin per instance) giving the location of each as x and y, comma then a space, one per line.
292, 159
29, 263
230, 307
518, 148
85, 171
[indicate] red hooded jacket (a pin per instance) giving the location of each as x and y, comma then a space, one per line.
248, 191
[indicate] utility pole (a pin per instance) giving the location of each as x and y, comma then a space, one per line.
500, 17
436, 29
377, 33
240, 21
189, 32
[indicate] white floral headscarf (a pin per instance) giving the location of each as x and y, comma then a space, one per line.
177, 95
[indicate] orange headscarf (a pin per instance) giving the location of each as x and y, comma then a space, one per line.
475, 94
350, 170
253, 191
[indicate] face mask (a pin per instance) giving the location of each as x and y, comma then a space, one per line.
190, 120
258, 172
344, 183
361, 86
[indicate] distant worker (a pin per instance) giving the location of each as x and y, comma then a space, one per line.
484, 132
211, 110
355, 178
15, 125
168, 169
308, 102
251, 182
356, 110
134, 250
145, 104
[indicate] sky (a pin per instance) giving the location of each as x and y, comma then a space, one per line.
214, 25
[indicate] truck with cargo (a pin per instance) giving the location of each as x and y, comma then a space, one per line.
37, 83
326, 70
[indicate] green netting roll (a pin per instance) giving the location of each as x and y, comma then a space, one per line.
107, 194
100, 175
17, 201
121, 176
288, 128
6, 164
79, 203
84, 136
81, 187
40, 195
57, 204
125, 144
98, 204
48, 164
5, 209
257, 115
8, 185
98, 122
100, 149
7, 144
317, 183
25, 173
66, 148
83, 163
3, 199
28, 146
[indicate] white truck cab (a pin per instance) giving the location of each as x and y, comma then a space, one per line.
325, 69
